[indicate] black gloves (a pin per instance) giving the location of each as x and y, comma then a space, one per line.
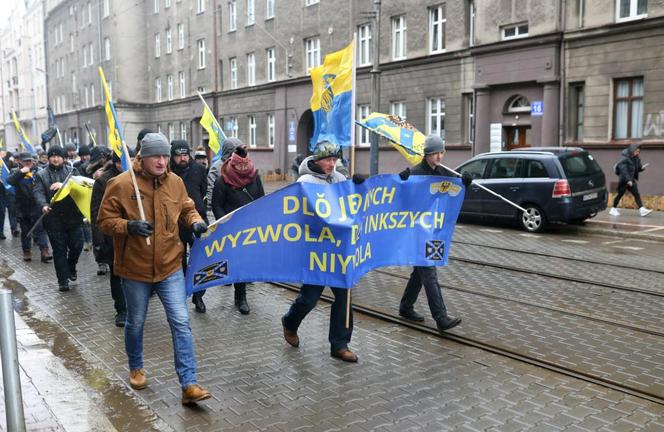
241, 151
405, 174
466, 178
141, 228
359, 178
199, 228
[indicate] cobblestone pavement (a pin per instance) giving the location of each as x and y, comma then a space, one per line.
405, 380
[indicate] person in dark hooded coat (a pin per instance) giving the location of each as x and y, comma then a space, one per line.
628, 168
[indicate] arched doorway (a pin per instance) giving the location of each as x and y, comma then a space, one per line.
305, 129
517, 130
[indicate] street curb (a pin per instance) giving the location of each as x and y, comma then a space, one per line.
620, 234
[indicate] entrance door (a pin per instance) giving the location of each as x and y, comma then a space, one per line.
517, 136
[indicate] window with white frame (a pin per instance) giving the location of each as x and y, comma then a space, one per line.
169, 41
471, 22
89, 13
251, 69
515, 31
167, 3
171, 132
157, 89
270, 130
200, 6
106, 8
468, 118
156, 6
169, 83
398, 108
71, 43
628, 108
180, 36
436, 117
157, 45
107, 49
85, 60
363, 133
183, 87
252, 131
232, 126
437, 22
312, 53
110, 88
73, 81
92, 54
399, 37
631, 9
251, 16
233, 72
271, 59
269, 9
201, 53
310, 2
93, 102
183, 130
364, 45
232, 15
87, 96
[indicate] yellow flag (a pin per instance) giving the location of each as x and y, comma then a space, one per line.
80, 190
216, 135
114, 132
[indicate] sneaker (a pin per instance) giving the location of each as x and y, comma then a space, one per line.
102, 269
87, 247
194, 393
137, 379
120, 319
64, 286
614, 212
46, 256
73, 275
644, 211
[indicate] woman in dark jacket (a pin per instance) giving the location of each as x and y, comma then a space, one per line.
238, 185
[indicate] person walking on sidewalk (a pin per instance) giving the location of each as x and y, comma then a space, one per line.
103, 244
320, 168
628, 169
155, 266
63, 222
194, 177
27, 210
238, 185
434, 151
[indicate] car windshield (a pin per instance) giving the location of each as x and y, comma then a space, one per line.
579, 164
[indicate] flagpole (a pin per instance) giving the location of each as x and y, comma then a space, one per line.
64, 183
94, 142
352, 115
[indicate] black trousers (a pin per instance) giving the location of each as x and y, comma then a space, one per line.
67, 247
428, 277
624, 187
117, 294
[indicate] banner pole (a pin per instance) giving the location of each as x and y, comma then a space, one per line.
139, 200
352, 115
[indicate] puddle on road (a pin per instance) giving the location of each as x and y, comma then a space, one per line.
117, 402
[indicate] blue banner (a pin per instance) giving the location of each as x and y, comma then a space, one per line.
330, 234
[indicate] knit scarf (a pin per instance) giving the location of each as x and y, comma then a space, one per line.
238, 171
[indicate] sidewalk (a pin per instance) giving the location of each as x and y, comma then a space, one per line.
53, 399
629, 224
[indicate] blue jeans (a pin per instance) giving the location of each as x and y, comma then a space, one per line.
67, 247
173, 297
306, 300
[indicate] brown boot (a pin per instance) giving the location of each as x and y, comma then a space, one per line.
345, 354
27, 256
46, 256
290, 336
194, 393
137, 379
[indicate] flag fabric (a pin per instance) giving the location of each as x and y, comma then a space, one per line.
51, 117
402, 135
80, 190
332, 98
4, 175
23, 139
216, 134
115, 136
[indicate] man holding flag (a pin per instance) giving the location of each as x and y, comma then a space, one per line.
63, 220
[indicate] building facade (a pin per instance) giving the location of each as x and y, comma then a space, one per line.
486, 76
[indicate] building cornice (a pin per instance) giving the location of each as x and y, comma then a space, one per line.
615, 29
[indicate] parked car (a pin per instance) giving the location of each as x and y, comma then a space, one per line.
559, 184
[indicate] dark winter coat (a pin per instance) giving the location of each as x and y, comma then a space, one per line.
102, 243
423, 168
195, 181
629, 166
226, 198
64, 214
26, 206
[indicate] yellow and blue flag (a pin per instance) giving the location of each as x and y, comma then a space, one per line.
332, 98
23, 139
402, 135
216, 134
4, 174
115, 136
80, 190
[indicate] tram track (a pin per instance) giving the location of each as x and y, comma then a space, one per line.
498, 350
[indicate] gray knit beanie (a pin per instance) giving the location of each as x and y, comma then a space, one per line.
433, 144
155, 144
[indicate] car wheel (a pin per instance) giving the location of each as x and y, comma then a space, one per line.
533, 220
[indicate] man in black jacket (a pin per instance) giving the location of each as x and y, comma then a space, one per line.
103, 244
27, 211
628, 169
434, 151
194, 176
63, 221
